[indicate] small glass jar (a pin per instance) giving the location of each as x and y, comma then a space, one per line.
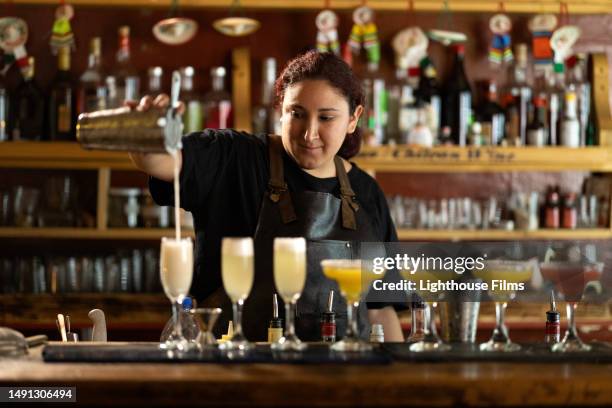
124, 207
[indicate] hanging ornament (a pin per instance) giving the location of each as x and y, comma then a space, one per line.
541, 27
13, 36
236, 26
501, 45
562, 41
410, 46
61, 33
445, 20
327, 36
175, 30
365, 33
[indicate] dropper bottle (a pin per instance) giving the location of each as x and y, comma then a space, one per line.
275, 331
328, 321
553, 323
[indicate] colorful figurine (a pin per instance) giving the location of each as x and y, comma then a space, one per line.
501, 45
365, 33
13, 36
61, 35
327, 36
541, 27
410, 46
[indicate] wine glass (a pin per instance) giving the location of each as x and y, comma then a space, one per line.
430, 340
237, 272
503, 278
289, 278
570, 279
353, 283
176, 272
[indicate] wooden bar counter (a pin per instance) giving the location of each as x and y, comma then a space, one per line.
283, 385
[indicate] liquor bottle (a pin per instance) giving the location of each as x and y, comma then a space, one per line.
570, 126
556, 95
491, 115
126, 76
577, 82
457, 102
28, 107
155, 76
511, 113
193, 103
537, 133
520, 90
218, 103
4, 111
92, 90
392, 130
428, 92
266, 119
62, 115
409, 113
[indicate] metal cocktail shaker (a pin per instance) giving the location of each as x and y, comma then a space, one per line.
124, 129
459, 316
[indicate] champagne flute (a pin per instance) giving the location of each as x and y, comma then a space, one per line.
237, 272
289, 278
176, 272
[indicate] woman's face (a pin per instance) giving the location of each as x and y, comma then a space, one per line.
315, 120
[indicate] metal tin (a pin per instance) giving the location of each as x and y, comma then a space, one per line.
125, 129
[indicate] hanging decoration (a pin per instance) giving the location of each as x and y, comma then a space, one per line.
541, 27
444, 36
175, 30
61, 33
327, 36
410, 46
500, 50
236, 26
13, 36
562, 41
365, 33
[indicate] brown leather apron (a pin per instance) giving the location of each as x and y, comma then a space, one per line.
333, 229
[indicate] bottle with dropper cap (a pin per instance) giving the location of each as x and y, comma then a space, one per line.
275, 331
553, 323
328, 321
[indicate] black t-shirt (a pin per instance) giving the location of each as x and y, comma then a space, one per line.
223, 180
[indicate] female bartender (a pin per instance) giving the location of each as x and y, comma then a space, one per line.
296, 184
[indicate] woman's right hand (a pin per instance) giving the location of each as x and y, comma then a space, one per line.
158, 165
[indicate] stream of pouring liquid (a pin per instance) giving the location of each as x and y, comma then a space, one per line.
177, 195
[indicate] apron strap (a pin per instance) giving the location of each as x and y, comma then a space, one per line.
277, 188
347, 196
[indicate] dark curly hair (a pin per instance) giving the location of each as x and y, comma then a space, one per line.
326, 66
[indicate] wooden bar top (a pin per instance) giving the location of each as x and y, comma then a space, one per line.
397, 384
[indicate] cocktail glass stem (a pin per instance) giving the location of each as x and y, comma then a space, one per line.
237, 311
500, 340
177, 332
289, 341
571, 341
351, 316
431, 341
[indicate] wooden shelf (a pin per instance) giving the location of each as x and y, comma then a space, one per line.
60, 155
501, 235
122, 310
484, 159
67, 155
91, 233
511, 6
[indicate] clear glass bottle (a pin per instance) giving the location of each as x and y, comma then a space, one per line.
92, 90
570, 126
62, 114
189, 326
266, 119
193, 118
520, 90
155, 76
577, 82
409, 113
417, 327
28, 107
127, 79
429, 93
218, 112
